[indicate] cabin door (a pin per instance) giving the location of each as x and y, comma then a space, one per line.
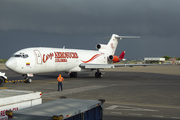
38, 56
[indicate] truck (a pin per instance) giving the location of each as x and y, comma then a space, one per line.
3, 78
62, 109
17, 99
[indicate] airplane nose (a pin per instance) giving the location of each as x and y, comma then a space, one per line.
11, 64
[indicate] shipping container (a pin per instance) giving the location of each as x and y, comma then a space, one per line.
63, 109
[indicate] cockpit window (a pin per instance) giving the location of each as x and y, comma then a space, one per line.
25, 56
20, 55
16, 55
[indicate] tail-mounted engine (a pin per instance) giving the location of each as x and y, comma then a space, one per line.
101, 46
113, 58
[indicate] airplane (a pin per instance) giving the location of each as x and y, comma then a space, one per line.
36, 60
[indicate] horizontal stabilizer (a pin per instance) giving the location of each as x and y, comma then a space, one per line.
120, 37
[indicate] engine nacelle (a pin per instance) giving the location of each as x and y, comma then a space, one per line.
113, 58
101, 46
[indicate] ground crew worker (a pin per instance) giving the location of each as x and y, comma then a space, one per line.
60, 79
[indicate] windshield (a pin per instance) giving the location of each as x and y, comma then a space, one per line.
20, 55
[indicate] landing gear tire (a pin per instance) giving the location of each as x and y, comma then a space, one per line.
98, 75
27, 79
1, 82
73, 74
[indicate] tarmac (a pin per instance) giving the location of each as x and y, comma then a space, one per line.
131, 93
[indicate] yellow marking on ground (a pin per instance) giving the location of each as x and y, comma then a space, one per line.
47, 82
3, 87
14, 81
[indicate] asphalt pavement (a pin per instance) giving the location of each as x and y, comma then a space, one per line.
138, 93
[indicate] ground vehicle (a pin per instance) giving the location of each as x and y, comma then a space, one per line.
18, 99
2, 79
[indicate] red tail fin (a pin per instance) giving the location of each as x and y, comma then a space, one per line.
121, 56
116, 59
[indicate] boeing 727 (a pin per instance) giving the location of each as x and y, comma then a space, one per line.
35, 60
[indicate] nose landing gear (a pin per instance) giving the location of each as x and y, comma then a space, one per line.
27, 79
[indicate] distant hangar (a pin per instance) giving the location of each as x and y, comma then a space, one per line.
154, 60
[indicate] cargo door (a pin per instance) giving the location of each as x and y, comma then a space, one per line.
38, 56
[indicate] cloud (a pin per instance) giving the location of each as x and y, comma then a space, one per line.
91, 17
31, 22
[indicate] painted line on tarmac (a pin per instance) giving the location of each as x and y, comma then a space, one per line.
116, 112
128, 108
119, 108
176, 118
159, 116
144, 105
75, 90
112, 107
135, 114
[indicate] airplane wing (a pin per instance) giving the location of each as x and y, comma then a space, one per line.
95, 66
101, 66
131, 65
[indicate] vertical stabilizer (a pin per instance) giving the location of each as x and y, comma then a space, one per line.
110, 48
112, 44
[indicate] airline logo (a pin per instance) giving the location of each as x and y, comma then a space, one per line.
112, 46
48, 56
59, 56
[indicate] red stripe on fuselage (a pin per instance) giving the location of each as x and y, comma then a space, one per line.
94, 57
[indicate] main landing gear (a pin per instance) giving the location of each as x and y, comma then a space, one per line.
73, 74
98, 74
27, 79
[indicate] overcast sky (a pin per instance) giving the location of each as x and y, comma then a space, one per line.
82, 24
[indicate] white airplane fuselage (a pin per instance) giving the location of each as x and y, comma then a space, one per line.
44, 59
36, 60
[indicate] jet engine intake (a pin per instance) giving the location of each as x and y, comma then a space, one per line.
113, 58
101, 46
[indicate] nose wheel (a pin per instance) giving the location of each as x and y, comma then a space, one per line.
27, 79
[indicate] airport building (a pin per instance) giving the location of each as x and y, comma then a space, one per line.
154, 60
